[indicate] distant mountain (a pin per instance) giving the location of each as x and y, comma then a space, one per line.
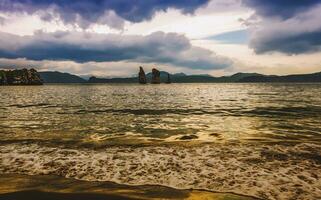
205, 78
193, 79
59, 77
179, 74
239, 76
315, 77
94, 79
177, 78
85, 77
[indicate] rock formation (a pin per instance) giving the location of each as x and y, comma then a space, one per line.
155, 76
142, 76
20, 77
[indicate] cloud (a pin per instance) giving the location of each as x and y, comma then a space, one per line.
86, 12
290, 27
231, 37
280, 8
2, 20
223, 6
158, 47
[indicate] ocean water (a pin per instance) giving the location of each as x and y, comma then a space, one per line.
262, 140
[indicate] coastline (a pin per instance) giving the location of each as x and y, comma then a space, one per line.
258, 140
246, 169
41, 187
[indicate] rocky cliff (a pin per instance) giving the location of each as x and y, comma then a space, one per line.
20, 77
142, 76
155, 76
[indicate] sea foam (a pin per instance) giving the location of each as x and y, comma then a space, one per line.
265, 171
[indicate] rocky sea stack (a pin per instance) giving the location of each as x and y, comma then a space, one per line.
155, 76
142, 76
20, 77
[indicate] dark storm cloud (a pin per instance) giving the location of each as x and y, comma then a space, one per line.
281, 8
85, 12
287, 26
81, 47
295, 44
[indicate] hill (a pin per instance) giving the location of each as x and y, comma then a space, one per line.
177, 78
94, 79
315, 77
59, 77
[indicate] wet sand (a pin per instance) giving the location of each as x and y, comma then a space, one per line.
39, 195
44, 187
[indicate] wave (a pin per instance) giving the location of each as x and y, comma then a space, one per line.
235, 110
265, 171
270, 112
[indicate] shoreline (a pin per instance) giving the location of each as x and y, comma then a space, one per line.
48, 187
245, 170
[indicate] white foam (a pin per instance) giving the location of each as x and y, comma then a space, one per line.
266, 171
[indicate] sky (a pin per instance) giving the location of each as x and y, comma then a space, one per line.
112, 38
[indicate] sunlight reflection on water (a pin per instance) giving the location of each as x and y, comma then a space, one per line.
261, 140
211, 112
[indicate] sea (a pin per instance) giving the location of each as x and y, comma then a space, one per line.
261, 140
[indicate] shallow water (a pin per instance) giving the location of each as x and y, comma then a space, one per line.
24, 187
261, 140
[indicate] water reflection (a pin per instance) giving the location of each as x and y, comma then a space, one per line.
261, 140
205, 112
